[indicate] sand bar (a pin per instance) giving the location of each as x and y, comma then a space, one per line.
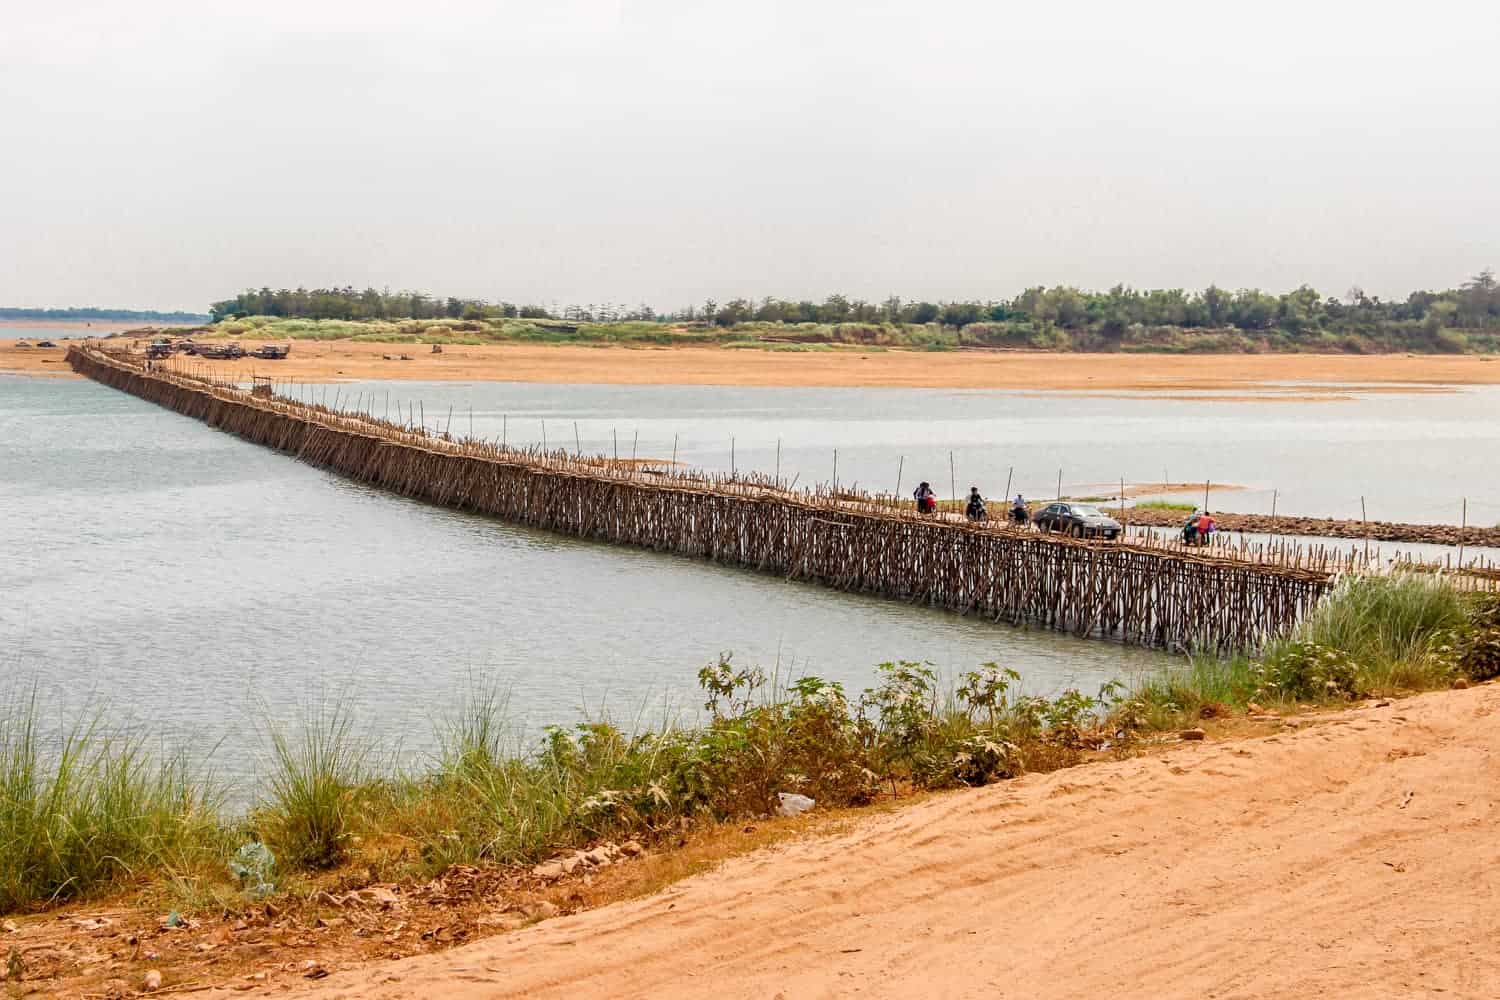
322, 361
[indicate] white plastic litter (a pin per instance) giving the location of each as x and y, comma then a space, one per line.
792, 804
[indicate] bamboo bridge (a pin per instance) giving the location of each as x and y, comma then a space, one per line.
1139, 590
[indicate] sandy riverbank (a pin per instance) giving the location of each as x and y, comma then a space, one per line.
1226, 376
1353, 855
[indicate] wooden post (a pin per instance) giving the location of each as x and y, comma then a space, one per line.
835, 470
674, 450
471, 421
1122, 498
1059, 484
1463, 526
778, 463
900, 468
1365, 524
1274, 495
952, 477
1205, 496
1008, 474
577, 444
505, 430
633, 443
544, 435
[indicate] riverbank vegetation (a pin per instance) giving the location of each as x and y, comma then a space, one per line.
1058, 318
86, 810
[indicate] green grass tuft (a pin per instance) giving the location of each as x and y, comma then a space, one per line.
315, 773
81, 810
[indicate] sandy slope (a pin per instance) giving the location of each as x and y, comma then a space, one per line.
1355, 857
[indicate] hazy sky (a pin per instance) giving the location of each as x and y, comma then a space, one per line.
160, 153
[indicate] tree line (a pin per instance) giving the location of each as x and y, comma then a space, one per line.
1088, 318
94, 312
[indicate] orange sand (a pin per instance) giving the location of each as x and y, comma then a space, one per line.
1232, 374
1354, 856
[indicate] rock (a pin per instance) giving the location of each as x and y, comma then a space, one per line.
152, 981
791, 804
116, 989
541, 910
598, 857
632, 849
502, 921
570, 865
9, 927
378, 895
1193, 734
1459, 683
1254, 709
550, 870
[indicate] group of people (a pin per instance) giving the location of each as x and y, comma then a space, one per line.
1199, 528
974, 509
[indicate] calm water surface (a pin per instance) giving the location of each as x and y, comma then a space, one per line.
198, 583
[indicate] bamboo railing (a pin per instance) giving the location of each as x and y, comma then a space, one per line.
1142, 590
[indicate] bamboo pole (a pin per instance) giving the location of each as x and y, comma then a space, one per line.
1463, 529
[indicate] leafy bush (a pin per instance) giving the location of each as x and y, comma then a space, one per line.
1309, 671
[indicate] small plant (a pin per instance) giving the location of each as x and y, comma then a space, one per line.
905, 704
728, 688
1309, 671
984, 690
252, 866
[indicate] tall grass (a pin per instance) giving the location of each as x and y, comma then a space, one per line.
1379, 635
1392, 627
315, 774
81, 809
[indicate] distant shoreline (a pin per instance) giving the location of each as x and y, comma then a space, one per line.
1208, 378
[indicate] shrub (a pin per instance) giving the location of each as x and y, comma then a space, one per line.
1309, 671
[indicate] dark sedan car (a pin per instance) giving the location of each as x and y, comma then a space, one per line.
1077, 519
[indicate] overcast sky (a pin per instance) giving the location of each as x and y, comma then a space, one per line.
160, 153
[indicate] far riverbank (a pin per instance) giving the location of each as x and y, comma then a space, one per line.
1212, 377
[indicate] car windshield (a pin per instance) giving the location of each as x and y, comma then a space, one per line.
1084, 510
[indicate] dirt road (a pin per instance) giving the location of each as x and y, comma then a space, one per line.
1357, 856
1224, 377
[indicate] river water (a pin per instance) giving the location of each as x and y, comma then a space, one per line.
199, 584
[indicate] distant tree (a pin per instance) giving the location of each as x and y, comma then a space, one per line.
924, 312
